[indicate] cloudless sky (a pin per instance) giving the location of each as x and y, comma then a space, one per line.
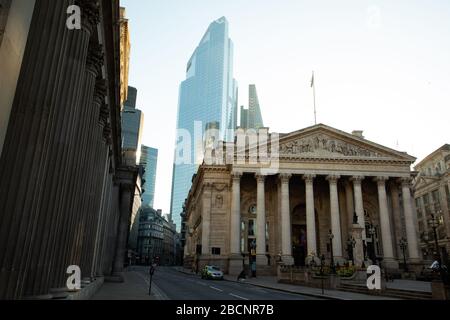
381, 66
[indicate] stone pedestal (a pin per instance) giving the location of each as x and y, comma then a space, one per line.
439, 291
358, 251
288, 260
261, 260
235, 265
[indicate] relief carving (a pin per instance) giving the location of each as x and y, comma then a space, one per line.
325, 144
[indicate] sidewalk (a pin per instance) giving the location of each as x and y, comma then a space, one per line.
272, 283
135, 287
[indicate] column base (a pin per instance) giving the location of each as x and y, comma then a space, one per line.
261, 260
115, 278
235, 265
312, 260
60, 293
390, 264
340, 260
288, 260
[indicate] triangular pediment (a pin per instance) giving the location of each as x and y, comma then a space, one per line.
322, 141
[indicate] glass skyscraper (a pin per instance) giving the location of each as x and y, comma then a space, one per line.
251, 118
149, 161
207, 96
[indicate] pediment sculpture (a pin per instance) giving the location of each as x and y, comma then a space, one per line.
324, 144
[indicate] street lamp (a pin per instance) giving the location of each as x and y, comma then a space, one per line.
435, 223
331, 237
403, 246
372, 232
351, 244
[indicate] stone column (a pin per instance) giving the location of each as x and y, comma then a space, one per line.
235, 266
37, 154
335, 218
311, 236
359, 204
385, 224
398, 230
126, 196
261, 258
206, 219
411, 234
286, 238
349, 204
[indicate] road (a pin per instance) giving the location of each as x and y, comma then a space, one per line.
174, 285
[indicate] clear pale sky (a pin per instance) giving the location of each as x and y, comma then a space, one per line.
381, 66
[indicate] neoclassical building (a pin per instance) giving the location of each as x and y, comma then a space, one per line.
432, 195
326, 182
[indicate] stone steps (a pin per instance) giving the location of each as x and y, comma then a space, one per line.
392, 293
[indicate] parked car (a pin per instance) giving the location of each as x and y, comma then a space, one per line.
212, 272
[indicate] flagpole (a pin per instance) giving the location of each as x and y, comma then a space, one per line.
314, 95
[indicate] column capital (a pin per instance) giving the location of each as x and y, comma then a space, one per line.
236, 176
333, 178
260, 177
357, 179
381, 180
309, 177
285, 177
406, 182
90, 13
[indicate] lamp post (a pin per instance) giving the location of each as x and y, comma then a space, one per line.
403, 246
351, 244
372, 232
331, 237
435, 223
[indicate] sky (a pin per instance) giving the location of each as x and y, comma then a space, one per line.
380, 66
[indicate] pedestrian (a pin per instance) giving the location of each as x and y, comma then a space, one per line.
242, 276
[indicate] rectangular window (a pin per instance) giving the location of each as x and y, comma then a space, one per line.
215, 251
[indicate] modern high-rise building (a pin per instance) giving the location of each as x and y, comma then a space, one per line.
251, 118
208, 95
149, 161
132, 127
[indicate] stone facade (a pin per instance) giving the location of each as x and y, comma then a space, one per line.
239, 213
432, 198
65, 195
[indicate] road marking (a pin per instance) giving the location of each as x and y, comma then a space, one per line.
217, 289
239, 297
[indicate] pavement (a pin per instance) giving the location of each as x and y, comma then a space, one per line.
135, 287
272, 283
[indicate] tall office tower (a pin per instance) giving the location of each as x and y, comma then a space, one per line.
149, 161
251, 118
208, 95
132, 127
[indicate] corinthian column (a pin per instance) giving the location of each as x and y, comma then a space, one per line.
235, 266
286, 239
206, 219
385, 223
359, 207
37, 158
335, 217
310, 215
411, 235
261, 258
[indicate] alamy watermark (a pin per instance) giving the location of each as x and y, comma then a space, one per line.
73, 21
374, 279
255, 147
74, 281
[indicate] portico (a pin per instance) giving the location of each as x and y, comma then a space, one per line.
325, 180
